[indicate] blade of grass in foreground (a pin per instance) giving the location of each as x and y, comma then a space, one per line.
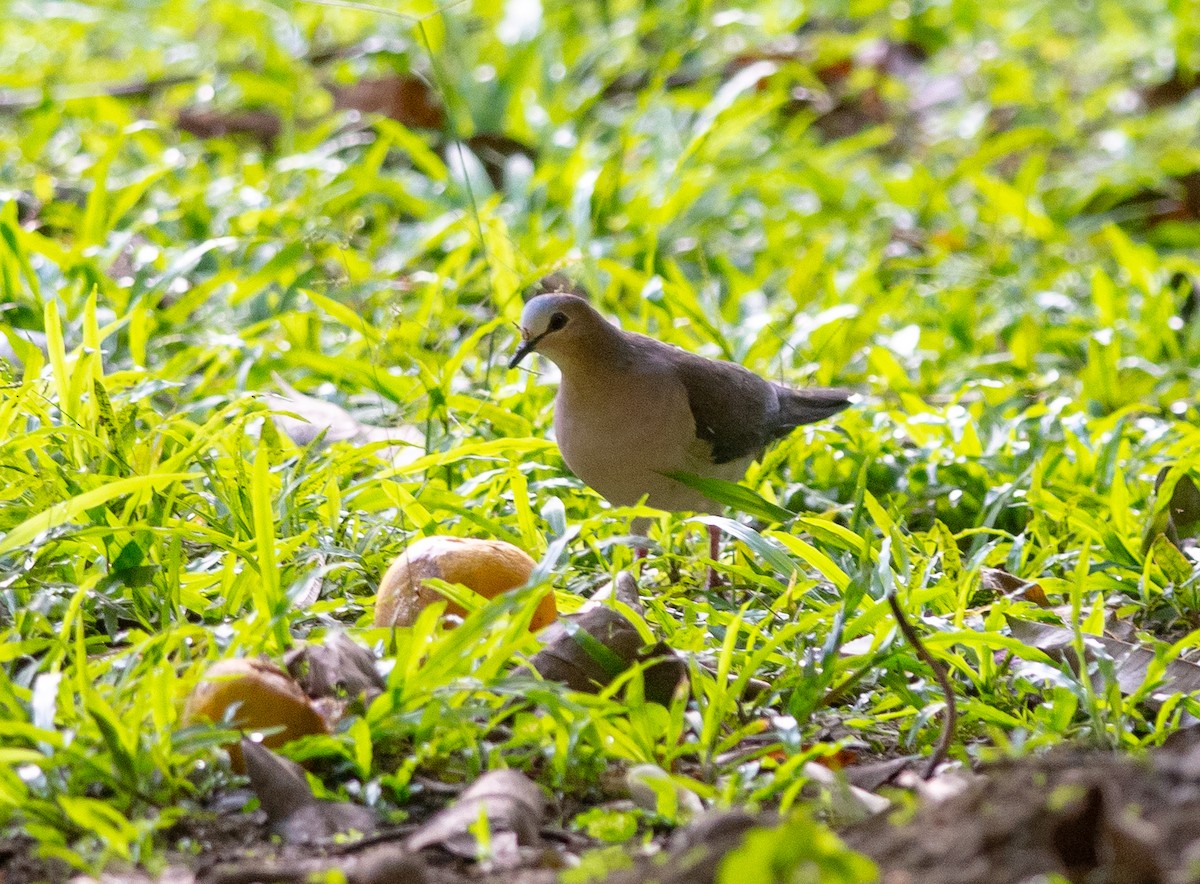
62, 513
735, 496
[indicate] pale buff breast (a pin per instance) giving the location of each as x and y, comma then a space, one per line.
621, 436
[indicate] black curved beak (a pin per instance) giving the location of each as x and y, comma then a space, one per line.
522, 351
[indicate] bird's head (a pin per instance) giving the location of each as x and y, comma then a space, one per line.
553, 324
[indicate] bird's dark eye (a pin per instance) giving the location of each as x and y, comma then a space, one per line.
557, 321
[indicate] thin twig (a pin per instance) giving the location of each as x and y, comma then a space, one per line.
942, 749
24, 99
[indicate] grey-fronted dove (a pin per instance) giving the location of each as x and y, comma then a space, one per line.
631, 410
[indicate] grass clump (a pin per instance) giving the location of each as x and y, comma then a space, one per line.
984, 218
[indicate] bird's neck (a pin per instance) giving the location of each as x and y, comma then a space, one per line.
594, 356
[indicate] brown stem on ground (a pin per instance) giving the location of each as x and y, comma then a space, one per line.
12, 100
942, 749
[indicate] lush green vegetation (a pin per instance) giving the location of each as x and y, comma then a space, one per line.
979, 215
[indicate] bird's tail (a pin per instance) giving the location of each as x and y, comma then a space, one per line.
811, 404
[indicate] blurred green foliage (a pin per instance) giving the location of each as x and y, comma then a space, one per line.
984, 217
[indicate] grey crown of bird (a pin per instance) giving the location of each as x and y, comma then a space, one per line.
630, 410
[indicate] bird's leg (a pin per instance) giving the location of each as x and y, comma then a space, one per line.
640, 529
714, 551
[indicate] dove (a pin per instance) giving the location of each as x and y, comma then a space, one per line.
631, 410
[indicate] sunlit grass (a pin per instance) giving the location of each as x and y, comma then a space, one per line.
1018, 329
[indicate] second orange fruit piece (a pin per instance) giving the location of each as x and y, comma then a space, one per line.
487, 567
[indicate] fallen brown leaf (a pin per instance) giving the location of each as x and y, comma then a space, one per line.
1010, 586
293, 812
405, 98
338, 668
203, 122
513, 805
1131, 662
586, 651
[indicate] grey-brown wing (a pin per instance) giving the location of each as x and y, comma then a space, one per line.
736, 411
739, 414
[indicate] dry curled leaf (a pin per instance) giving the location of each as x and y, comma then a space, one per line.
1131, 662
512, 803
293, 812
339, 669
304, 418
999, 581
587, 651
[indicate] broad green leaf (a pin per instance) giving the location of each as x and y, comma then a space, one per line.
813, 556
759, 545
735, 496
